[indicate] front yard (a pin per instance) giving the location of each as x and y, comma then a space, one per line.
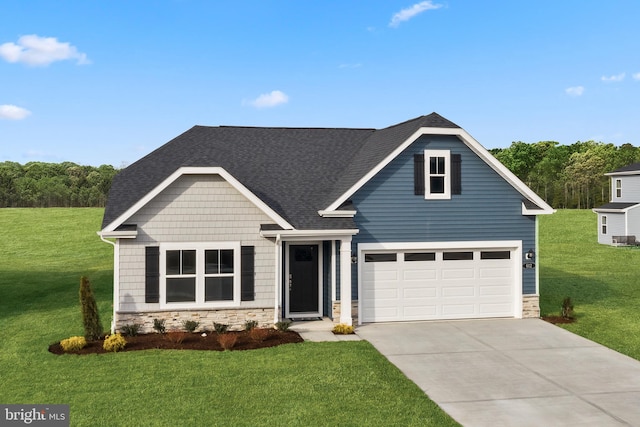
44, 252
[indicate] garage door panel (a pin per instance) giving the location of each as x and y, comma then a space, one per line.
458, 273
422, 292
428, 288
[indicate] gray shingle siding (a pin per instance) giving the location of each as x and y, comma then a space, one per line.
488, 209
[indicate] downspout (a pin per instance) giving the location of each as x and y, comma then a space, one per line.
278, 276
116, 282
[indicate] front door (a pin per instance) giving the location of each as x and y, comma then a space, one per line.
303, 287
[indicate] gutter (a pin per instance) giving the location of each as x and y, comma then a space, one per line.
116, 284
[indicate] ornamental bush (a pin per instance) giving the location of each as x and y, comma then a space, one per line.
90, 315
115, 342
73, 344
343, 329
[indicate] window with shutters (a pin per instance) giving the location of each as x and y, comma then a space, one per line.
437, 164
200, 274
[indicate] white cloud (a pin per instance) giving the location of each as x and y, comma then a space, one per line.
574, 90
614, 78
272, 99
13, 112
410, 12
40, 51
636, 76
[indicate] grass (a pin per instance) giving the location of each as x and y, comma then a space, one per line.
602, 281
45, 251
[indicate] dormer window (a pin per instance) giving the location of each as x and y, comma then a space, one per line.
437, 174
618, 188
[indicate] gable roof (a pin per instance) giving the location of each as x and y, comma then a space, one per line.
295, 172
632, 169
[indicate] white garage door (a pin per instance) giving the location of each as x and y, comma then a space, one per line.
432, 284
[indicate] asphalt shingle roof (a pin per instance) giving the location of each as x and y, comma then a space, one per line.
635, 167
296, 171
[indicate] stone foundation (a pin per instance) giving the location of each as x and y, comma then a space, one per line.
335, 312
235, 318
530, 306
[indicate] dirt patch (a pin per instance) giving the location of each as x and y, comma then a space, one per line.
244, 340
558, 319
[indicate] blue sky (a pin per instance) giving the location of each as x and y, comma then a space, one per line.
97, 82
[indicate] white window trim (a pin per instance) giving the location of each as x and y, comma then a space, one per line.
618, 188
200, 247
604, 226
447, 175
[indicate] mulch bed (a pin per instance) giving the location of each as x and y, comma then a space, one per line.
194, 341
558, 319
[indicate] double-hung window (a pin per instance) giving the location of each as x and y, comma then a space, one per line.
201, 274
437, 174
618, 188
603, 224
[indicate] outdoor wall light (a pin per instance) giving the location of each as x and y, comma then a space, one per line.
530, 254
354, 258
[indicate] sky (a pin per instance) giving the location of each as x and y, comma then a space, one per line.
107, 82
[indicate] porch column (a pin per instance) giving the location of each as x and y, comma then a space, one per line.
345, 281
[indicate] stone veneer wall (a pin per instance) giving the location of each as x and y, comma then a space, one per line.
235, 318
335, 312
530, 306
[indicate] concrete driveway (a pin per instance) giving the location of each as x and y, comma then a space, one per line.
510, 372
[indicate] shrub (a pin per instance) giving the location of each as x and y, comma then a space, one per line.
567, 308
250, 324
115, 342
343, 329
220, 328
131, 330
176, 337
260, 334
159, 326
283, 325
73, 344
90, 315
227, 341
190, 325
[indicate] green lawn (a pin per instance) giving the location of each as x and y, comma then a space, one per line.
602, 281
43, 253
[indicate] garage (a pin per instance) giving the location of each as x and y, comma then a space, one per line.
426, 282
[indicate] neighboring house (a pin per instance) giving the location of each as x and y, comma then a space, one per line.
619, 220
416, 221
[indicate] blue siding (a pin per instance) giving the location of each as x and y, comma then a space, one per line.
488, 208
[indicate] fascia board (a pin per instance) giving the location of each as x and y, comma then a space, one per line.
326, 234
192, 170
474, 145
337, 214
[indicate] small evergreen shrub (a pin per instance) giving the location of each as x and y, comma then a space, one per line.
159, 326
250, 324
220, 328
567, 308
343, 329
73, 344
113, 343
283, 325
131, 329
227, 341
190, 325
260, 334
90, 315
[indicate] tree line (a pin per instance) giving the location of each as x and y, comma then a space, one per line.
41, 185
567, 176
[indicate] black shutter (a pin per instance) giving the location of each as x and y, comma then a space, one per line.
247, 256
152, 274
418, 174
456, 174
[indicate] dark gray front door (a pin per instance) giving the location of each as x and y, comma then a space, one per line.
303, 279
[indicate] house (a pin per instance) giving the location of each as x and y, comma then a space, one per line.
619, 220
415, 221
